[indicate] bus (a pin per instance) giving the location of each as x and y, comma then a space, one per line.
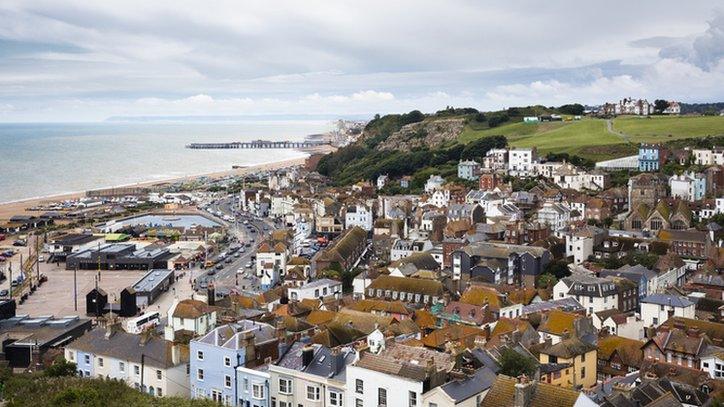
139, 324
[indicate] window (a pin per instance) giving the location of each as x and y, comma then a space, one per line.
583, 358
257, 391
335, 399
159, 392
413, 399
122, 367
359, 386
227, 381
100, 362
227, 361
358, 403
136, 370
200, 375
200, 355
285, 386
313, 393
583, 372
159, 375
246, 384
433, 405
87, 359
71, 356
381, 397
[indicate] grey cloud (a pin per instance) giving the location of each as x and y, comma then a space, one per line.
705, 51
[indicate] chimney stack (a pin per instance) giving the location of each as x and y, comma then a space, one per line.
523, 392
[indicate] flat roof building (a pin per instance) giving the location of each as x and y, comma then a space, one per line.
23, 337
154, 283
120, 256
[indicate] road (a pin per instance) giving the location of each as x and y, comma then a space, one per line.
227, 277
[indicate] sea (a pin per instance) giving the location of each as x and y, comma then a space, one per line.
45, 159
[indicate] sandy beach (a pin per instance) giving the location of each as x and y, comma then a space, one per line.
21, 207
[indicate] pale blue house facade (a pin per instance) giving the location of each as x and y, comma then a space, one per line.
215, 357
254, 386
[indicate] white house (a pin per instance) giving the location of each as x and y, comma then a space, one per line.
191, 316
440, 198
316, 289
469, 170
712, 362
555, 214
657, 308
593, 293
433, 183
714, 156
358, 215
521, 160
402, 248
115, 354
688, 186
397, 375
382, 181
311, 375
496, 159
627, 326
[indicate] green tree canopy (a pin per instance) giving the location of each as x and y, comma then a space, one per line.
514, 364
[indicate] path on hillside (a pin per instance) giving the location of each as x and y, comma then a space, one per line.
609, 127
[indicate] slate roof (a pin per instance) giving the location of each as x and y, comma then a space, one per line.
124, 346
666, 299
460, 390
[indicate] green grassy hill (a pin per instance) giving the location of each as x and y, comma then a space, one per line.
666, 128
591, 139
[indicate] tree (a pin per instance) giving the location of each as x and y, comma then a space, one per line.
575, 109
480, 117
558, 268
546, 280
514, 364
497, 120
61, 367
660, 105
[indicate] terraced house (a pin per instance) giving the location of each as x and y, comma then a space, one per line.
145, 362
215, 357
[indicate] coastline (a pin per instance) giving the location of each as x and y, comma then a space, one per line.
21, 207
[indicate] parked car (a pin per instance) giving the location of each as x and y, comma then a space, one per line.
4, 293
20, 242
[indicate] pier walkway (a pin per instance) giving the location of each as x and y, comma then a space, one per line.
258, 144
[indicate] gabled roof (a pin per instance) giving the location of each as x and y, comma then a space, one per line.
502, 393
567, 348
557, 322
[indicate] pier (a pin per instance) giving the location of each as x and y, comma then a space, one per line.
257, 144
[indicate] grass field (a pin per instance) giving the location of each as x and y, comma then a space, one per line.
584, 138
590, 138
664, 128
511, 131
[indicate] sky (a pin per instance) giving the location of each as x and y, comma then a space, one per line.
86, 61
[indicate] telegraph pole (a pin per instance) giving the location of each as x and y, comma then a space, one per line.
75, 288
10, 271
143, 360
